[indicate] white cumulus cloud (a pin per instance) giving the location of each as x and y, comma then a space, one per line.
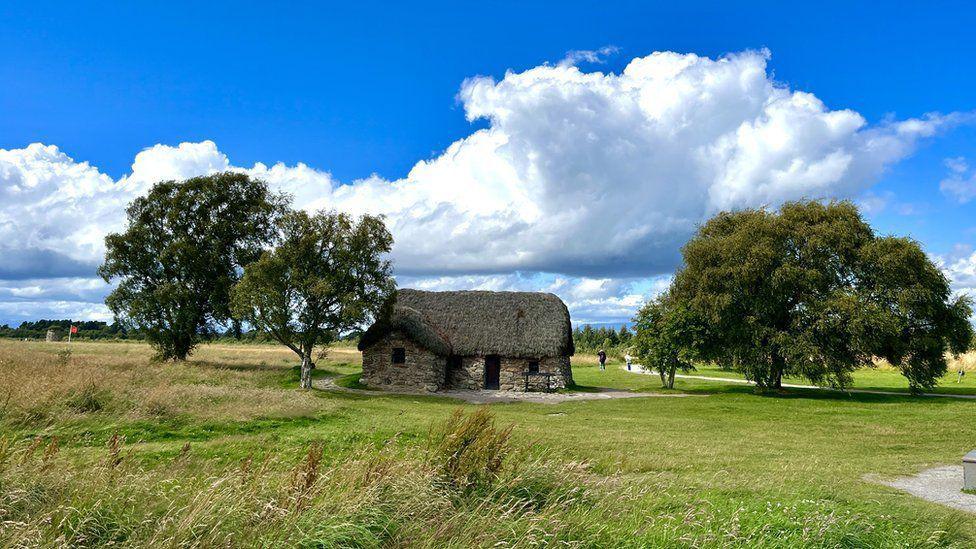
960, 184
585, 182
593, 174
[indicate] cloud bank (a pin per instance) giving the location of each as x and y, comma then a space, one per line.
583, 183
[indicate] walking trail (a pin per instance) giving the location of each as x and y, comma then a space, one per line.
489, 397
638, 369
942, 485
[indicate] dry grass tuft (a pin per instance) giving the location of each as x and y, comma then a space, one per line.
965, 362
304, 476
468, 451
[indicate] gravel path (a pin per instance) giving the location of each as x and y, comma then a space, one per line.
489, 397
942, 485
638, 369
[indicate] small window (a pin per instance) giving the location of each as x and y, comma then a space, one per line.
533, 366
399, 355
454, 362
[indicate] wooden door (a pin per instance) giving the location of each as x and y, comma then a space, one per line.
493, 367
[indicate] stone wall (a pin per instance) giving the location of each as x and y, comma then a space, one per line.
471, 374
422, 369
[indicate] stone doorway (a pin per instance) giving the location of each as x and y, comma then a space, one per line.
493, 368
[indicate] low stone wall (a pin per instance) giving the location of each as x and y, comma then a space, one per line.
421, 369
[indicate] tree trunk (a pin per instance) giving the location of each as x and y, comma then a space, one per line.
306, 377
777, 365
181, 348
660, 371
671, 378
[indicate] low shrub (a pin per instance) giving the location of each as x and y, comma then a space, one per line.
64, 358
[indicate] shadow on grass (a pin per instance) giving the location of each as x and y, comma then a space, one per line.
827, 394
576, 388
352, 381
246, 367
291, 377
93, 433
718, 387
365, 392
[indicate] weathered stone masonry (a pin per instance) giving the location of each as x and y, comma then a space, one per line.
471, 374
424, 369
421, 369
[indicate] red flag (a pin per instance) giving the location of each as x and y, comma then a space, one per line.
74, 329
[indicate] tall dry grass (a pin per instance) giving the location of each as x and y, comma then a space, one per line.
965, 362
392, 496
102, 492
43, 383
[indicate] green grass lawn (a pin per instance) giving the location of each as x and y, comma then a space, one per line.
723, 468
884, 378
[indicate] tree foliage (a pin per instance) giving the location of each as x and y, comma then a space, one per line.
586, 338
183, 249
668, 333
325, 276
87, 329
812, 291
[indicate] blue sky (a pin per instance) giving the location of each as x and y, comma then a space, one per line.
356, 90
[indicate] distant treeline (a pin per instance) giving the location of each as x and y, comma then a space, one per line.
98, 330
589, 339
89, 329
586, 338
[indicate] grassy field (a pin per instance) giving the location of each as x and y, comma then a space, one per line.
883, 377
102, 446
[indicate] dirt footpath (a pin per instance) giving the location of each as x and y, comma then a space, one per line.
942, 485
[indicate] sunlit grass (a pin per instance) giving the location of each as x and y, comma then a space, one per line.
883, 377
727, 469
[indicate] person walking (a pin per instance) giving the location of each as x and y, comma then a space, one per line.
628, 359
602, 355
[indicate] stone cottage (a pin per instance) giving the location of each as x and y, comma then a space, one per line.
513, 341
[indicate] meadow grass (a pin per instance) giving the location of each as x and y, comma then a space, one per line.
882, 377
106, 447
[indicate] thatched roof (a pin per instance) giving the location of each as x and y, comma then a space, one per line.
477, 323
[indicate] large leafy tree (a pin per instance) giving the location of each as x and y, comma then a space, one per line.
326, 275
185, 246
812, 291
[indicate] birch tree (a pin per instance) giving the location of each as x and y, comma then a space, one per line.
325, 275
